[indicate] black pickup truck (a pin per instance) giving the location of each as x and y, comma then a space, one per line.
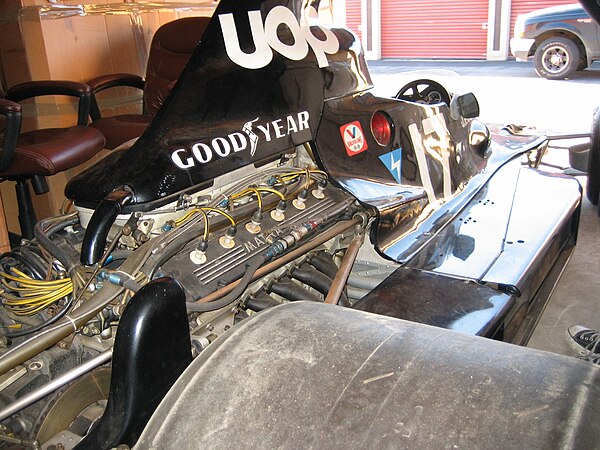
561, 39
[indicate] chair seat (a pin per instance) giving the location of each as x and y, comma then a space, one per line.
53, 150
120, 129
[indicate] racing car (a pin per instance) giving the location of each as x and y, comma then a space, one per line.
283, 259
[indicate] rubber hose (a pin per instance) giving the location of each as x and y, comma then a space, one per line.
39, 230
23, 260
292, 292
34, 259
96, 234
316, 280
260, 301
323, 262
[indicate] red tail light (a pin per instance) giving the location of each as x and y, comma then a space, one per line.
381, 127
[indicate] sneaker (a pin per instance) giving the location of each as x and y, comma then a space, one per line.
585, 341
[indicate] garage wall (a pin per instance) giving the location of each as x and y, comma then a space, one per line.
443, 29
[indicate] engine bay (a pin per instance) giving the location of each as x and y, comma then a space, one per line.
196, 241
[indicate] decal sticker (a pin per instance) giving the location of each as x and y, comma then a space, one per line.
393, 163
247, 128
420, 153
265, 38
252, 132
354, 138
433, 146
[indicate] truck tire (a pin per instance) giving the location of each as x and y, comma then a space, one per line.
593, 178
556, 58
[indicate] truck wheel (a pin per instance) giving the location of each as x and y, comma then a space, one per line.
556, 58
593, 178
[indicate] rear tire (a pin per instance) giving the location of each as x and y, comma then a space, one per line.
593, 178
556, 58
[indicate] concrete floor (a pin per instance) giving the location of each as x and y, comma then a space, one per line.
576, 299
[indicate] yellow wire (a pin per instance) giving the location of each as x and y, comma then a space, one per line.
21, 274
272, 191
33, 295
43, 297
219, 211
49, 296
186, 216
24, 279
205, 217
258, 198
245, 192
296, 174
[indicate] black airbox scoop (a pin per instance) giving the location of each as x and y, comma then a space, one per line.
254, 87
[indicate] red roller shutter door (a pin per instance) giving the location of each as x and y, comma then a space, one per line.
519, 7
353, 16
434, 29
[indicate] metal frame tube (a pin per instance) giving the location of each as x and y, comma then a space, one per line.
55, 384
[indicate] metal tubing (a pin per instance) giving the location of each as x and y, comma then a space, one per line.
288, 257
77, 318
55, 384
559, 137
339, 282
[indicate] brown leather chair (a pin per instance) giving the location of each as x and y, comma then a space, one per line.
170, 50
39, 153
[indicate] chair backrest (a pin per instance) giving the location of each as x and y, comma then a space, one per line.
171, 48
10, 128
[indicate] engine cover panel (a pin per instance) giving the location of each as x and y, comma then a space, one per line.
307, 375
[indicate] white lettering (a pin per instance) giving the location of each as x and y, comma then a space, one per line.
221, 146
262, 54
330, 45
189, 162
303, 121
265, 131
202, 157
278, 127
266, 37
283, 16
238, 141
291, 125
203, 153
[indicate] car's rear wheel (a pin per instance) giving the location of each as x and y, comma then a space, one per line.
593, 180
556, 58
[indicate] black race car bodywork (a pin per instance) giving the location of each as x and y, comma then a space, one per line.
272, 175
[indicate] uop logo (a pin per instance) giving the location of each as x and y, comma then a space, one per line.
354, 138
266, 39
221, 147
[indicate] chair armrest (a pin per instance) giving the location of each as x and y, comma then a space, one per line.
116, 79
32, 89
108, 81
12, 112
